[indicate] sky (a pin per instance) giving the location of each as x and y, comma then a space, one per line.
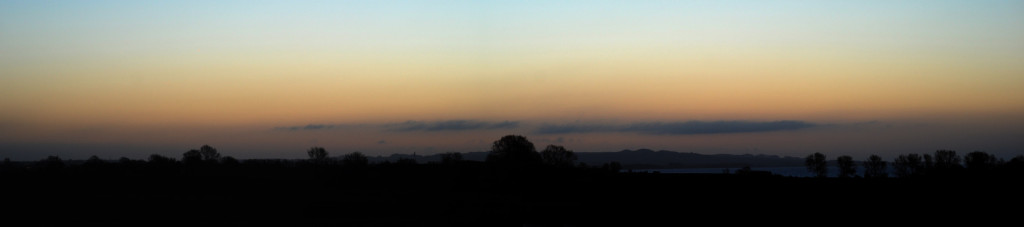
269, 79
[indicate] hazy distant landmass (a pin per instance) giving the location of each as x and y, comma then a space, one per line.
643, 159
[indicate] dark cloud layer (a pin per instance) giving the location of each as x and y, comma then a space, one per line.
655, 128
678, 128
410, 126
309, 127
453, 125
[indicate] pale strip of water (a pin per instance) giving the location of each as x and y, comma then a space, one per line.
796, 171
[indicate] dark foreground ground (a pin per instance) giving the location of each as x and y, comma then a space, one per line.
471, 194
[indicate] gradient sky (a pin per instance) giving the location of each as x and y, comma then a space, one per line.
269, 79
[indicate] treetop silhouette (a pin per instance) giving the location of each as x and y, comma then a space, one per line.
317, 154
513, 150
816, 164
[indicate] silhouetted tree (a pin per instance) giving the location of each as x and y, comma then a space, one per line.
317, 154
847, 168
947, 162
406, 162
6, 165
513, 150
229, 161
816, 164
1015, 165
93, 162
742, 171
451, 157
929, 164
582, 165
191, 156
355, 160
209, 153
947, 159
555, 155
980, 161
908, 165
1017, 159
161, 165
874, 167
613, 167
160, 159
51, 163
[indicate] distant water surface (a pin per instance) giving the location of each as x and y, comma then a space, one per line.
796, 171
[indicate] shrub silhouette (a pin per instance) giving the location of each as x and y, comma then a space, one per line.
160, 159
229, 161
355, 160
51, 163
613, 167
1015, 165
93, 160
6, 165
451, 157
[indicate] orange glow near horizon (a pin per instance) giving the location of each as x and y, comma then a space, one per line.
74, 72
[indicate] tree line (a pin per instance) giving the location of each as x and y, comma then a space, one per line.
508, 152
515, 153
943, 163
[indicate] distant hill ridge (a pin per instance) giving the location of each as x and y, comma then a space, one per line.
642, 159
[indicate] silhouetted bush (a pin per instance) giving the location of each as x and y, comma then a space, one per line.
406, 162
451, 158
6, 165
160, 161
50, 163
229, 161
93, 161
355, 160
613, 167
1013, 167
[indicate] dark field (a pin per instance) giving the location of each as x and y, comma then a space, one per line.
477, 194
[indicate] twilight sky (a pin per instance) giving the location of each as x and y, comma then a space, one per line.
269, 79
